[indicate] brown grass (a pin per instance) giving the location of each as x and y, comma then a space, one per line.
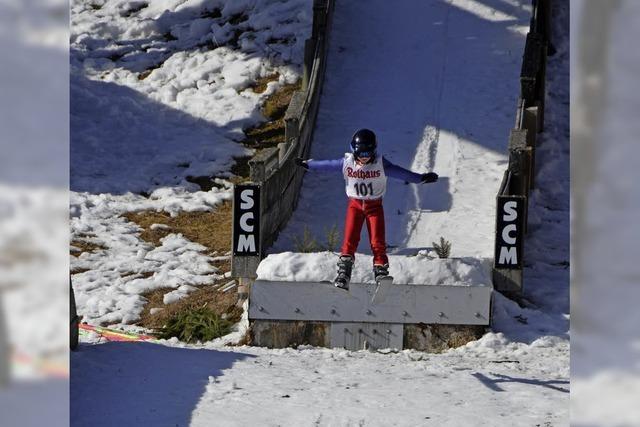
206, 183
206, 296
276, 105
85, 246
271, 133
240, 169
260, 85
265, 135
210, 229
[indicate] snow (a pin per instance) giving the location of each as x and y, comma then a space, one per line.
439, 85
160, 93
34, 175
416, 270
605, 337
32, 229
178, 294
110, 291
423, 77
253, 386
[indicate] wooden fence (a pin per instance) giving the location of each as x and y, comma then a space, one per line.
519, 178
274, 169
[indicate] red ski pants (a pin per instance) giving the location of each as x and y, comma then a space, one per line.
357, 212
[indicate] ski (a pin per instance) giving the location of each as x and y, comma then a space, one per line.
382, 284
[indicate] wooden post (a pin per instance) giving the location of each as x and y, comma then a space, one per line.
508, 282
307, 66
256, 170
244, 287
519, 163
291, 129
530, 123
319, 18
541, 88
529, 74
282, 150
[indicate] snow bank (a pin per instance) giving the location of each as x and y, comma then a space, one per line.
418, 270
160, 92
111, 292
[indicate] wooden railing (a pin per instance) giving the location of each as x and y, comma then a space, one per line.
519, 179
274, 169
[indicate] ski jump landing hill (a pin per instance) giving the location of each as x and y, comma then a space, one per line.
437, 81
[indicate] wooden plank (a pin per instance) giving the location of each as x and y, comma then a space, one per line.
366, 336
321, 301
281, 334
508, 282
531, 63
358, 336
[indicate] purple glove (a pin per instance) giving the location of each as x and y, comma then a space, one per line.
429, 177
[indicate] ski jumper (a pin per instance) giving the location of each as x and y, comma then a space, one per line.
365, 185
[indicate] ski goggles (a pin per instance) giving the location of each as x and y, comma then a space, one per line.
360, 154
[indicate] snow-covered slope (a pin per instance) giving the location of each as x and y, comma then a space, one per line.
161, 91
516, 375
438, 82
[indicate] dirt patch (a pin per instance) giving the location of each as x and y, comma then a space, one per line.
271, 133
223, 304
144, 74
84, 246
139, 275
276, 105
241, 169
265, 135
223, 264
260, 85
436, 338
210, 229
206, 183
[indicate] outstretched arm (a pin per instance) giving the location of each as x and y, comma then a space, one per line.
321, 165
398, 172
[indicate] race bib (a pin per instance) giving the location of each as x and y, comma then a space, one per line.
364, 182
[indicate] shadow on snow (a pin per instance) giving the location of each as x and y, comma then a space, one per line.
390, 68
492, 383
141, 383
123, 141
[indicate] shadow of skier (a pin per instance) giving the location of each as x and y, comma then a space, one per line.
492, 383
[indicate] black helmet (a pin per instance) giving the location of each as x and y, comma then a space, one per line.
364, 144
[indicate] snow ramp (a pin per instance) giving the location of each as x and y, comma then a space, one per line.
437, 82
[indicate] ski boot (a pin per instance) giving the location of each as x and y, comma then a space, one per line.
383, 282
380, 271
345, 264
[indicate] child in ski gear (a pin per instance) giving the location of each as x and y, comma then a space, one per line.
365, 174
